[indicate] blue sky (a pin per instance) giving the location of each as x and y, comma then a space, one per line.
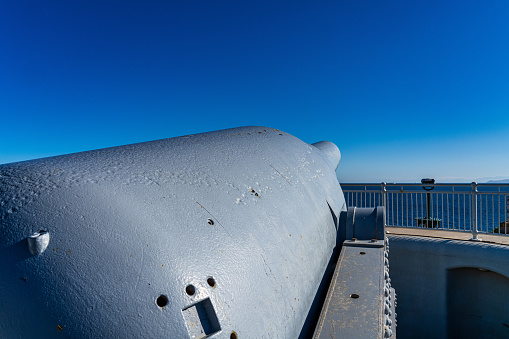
406, 89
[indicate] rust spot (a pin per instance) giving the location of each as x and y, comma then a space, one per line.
59, 328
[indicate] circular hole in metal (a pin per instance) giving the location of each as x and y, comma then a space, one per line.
211, 282
162, 301
190, 290
354, 296
234, 335
362, 252
210, 221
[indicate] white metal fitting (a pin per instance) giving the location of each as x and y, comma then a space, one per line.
38, 242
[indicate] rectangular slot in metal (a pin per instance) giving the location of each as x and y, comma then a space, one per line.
201, 319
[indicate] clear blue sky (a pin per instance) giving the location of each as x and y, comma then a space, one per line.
406, 89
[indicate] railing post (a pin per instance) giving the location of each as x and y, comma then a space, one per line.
384, 200
473, 209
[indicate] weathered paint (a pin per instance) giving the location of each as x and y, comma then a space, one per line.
133, 227
354, 308
360, 302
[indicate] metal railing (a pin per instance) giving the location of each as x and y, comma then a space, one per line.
476, 208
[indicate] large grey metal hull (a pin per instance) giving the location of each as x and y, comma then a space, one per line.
245, 216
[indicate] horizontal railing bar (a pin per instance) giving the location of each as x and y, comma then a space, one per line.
424, 192
427, 185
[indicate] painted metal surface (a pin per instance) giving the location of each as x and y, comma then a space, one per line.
360, 302
229, 231
355, 307
365, 223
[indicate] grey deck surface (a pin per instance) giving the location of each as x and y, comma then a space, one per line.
444, 234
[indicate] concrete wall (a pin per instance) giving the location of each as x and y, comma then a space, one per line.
477, 304
438, 292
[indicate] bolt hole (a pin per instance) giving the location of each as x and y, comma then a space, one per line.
234, 335
210, 221
362, 252
162, 301
354, 296
211, 282
190, 290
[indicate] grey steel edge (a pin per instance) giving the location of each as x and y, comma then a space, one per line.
354, 303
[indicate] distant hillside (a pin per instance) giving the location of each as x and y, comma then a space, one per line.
488, 180
503, 181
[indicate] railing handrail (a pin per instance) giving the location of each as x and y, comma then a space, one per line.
423, 192
426, 185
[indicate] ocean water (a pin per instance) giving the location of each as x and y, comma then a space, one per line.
452, 209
